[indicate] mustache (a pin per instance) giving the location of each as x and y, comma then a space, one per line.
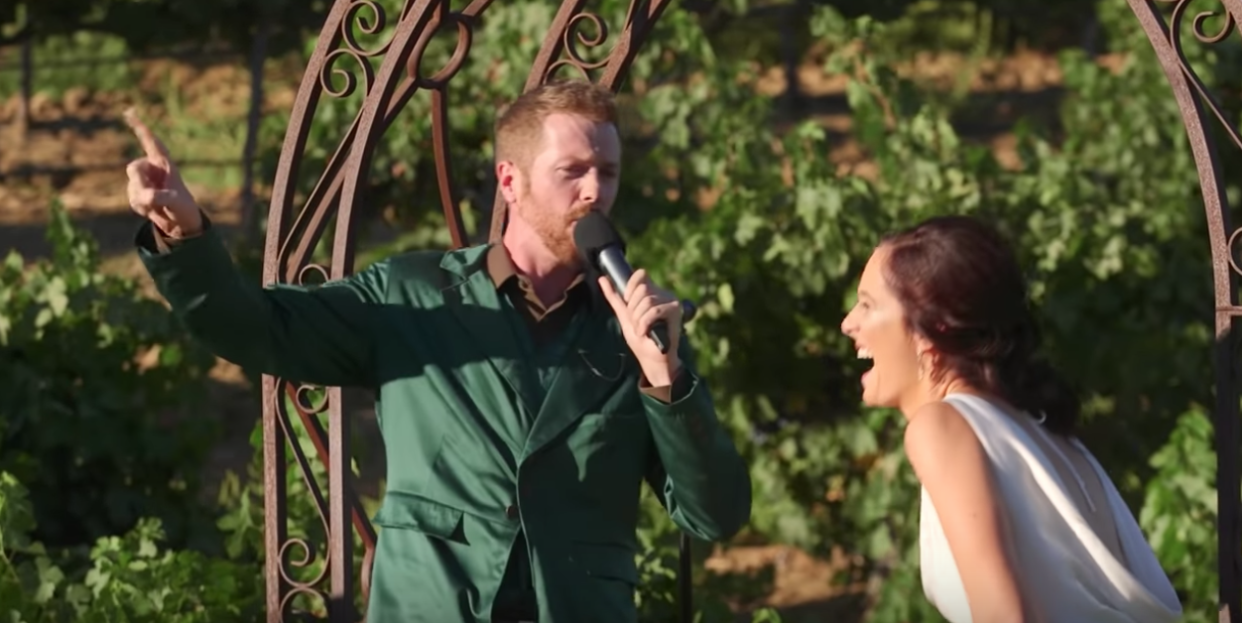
577, 214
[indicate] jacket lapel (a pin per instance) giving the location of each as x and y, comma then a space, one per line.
594, 367
478, 308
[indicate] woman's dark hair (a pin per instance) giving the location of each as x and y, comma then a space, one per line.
962, 289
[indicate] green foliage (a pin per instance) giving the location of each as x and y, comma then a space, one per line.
1179, 512
58, 67
95, 400
97, 442
128, 578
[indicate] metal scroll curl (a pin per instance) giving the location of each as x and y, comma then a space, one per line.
1230, 16
354, 17
290, 564
574, 37
339, 57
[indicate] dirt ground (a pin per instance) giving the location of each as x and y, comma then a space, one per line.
77, 148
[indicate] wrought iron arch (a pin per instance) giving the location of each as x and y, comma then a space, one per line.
295, 231
1196, 104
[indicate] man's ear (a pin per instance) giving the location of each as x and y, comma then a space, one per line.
509, 179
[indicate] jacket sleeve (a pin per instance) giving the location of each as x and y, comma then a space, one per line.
322, 335
696, 469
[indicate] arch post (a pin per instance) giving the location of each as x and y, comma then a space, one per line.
1196, 103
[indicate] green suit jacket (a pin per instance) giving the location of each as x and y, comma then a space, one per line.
429, 333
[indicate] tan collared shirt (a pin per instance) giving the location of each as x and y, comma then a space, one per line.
545, 322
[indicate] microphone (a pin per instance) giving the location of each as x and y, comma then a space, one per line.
601, 248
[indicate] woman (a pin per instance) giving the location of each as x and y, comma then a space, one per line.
1018, 521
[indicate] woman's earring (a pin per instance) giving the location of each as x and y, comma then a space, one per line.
922, 370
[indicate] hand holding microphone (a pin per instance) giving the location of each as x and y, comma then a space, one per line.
650, 316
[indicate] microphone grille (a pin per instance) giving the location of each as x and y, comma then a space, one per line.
593, 232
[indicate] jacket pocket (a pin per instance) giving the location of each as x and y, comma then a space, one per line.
610, 562
405, 511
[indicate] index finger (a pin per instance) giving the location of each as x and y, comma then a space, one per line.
610, 293
614, 300
638, 278
150, 144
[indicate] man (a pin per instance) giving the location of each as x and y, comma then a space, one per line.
521, 404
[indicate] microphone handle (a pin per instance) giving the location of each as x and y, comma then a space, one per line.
612, 263
619, 273
659, 334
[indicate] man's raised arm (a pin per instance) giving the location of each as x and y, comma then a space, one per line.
323, 335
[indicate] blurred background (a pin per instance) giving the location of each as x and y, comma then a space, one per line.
768, 144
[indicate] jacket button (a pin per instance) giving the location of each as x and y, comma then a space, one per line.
511, 511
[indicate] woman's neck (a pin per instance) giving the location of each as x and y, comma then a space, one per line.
929, 391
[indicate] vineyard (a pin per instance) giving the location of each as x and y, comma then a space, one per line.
768, 145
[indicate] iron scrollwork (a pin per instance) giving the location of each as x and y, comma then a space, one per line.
1198, 29
288, 563
353, 49
463, 23
574, 36
296, 553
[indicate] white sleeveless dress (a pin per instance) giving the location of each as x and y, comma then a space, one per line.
1064, 569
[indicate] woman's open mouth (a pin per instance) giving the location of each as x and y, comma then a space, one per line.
864, 353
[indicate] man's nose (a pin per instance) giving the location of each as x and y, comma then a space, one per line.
589, 191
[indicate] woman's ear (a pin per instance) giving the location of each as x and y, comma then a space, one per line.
928, 360
923, 347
